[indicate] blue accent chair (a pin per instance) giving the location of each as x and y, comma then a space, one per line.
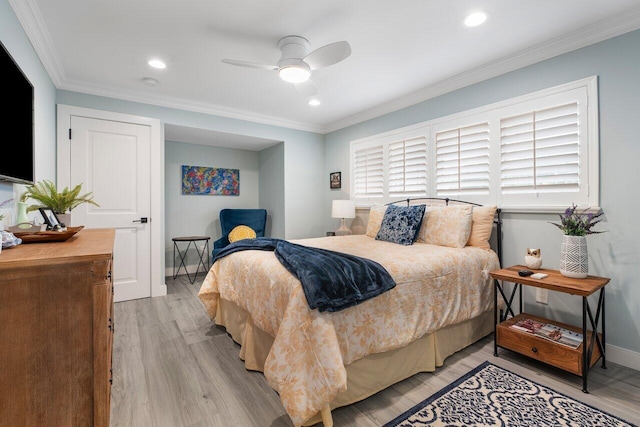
230, 218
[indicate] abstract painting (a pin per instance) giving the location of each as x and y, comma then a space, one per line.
202, 180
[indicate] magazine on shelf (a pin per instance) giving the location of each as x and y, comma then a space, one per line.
528, 325
550, 332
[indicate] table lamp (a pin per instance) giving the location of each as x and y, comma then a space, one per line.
343, 209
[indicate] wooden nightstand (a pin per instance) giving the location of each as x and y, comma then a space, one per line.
577, 361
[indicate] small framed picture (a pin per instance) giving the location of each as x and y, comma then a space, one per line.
335, 180
50, 218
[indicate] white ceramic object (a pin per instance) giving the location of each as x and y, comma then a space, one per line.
532, 262
574, 259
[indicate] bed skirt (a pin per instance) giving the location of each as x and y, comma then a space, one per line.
371, 374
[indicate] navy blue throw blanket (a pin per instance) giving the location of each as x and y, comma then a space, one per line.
332, 281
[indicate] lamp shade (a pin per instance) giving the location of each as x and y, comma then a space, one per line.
343, 209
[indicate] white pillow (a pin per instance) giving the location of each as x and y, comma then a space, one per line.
446, 226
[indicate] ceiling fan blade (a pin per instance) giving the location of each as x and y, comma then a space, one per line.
328, 55
250, 64
307, 88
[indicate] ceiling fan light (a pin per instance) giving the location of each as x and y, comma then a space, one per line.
294, 74
157, 63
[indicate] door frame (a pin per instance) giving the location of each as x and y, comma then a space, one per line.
63, 166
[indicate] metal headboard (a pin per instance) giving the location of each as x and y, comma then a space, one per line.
497, 220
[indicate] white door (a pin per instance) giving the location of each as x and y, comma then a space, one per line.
111, 159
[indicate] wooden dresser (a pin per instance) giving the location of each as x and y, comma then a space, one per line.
56, 331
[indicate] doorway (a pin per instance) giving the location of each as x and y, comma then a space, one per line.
119, 158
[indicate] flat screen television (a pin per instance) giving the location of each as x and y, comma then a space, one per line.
17, 122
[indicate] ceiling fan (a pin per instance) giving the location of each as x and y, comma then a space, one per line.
296, 62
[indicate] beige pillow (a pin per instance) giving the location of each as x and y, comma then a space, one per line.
482, 226
376, 213
446, 226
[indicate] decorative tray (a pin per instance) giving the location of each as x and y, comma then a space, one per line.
47, 236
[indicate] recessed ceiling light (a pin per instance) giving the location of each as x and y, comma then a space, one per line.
156, 63
149, 81
314, 102
476, 18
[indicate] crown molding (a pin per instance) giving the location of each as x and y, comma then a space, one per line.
31, 20
585, 36
187, 105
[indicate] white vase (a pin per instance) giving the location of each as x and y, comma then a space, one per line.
574, 259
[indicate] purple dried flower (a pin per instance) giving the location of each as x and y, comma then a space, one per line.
573, 223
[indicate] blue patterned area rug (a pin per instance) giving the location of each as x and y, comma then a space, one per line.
492, 396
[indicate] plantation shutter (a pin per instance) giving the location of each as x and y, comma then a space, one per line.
407, 168
462, 160
369, 173
537, 152
540, 151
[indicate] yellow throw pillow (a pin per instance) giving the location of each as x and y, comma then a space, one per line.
241, 232
376, 213
482, 226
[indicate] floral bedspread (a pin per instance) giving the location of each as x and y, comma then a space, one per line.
436, 286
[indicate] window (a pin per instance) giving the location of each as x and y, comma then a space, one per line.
537, 152
544, 152
408, 168
462, 161
540, 151
368, 173
390, 168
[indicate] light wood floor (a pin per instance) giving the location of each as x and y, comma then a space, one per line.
173, 367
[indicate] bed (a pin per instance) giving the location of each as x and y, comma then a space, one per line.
318, 361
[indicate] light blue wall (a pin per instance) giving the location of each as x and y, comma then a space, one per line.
272, 188
614, 254
16, 42
192, 215
304, 181
303, 156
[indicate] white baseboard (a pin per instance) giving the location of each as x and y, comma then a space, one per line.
624, 357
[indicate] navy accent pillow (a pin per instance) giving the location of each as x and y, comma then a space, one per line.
401, 224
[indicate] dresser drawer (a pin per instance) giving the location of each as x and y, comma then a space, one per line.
561, 356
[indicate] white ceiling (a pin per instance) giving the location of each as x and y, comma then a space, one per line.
403, 51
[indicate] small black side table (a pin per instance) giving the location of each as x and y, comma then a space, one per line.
183, 255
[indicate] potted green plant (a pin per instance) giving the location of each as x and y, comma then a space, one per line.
47, 195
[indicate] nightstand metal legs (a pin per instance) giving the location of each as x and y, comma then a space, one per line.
183, 255
508, 310
595, 339
509, 301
